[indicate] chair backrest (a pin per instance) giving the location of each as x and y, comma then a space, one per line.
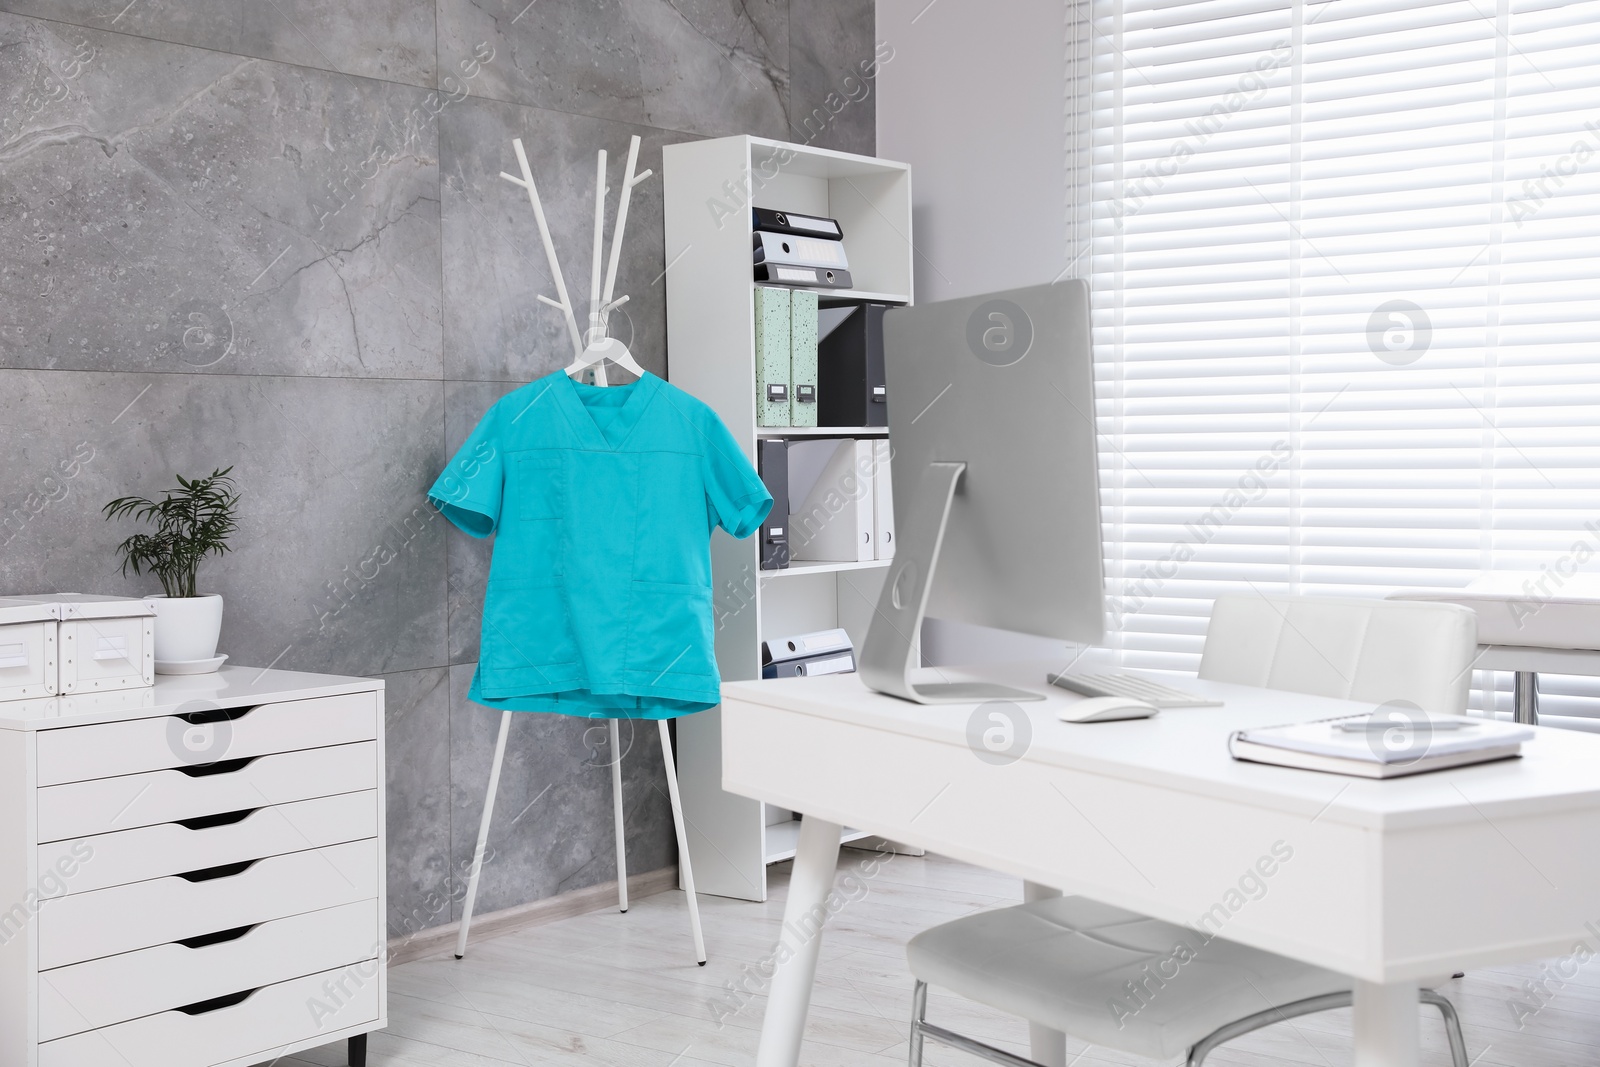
1373, 651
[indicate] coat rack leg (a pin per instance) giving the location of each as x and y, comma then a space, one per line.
616, 804
483, 836
685, 870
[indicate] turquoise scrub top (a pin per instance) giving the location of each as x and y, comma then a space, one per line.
602, 501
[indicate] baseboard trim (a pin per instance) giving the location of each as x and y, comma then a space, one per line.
439, 940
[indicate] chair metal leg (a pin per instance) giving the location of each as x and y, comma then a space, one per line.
483, 835
1452, 1026
919, 1015
1309, 1006
976, 1048
1312, 1005
616, 806
685, 868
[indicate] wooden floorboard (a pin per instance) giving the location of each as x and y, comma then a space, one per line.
605, 989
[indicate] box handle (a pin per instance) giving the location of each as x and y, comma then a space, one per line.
113, 647
13, 656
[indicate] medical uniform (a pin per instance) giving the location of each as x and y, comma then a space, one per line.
602, 502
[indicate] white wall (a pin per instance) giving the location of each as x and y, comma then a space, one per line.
974, 99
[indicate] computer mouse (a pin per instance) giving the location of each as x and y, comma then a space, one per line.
1106, 709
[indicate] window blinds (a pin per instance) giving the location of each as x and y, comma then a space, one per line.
1345, 268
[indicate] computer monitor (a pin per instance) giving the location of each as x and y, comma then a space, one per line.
996, 480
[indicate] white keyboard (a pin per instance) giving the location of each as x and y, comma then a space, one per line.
1131, 685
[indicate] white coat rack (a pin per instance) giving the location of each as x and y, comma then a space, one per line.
593, 347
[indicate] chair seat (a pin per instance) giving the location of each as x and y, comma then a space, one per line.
1109, 976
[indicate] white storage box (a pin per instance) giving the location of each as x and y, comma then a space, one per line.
103, 642
27, 649
1532, 610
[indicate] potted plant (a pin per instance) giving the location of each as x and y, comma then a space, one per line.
191, 522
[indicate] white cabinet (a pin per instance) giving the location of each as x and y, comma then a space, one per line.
709, 188
192, 876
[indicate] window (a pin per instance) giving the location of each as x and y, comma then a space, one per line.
1345, 259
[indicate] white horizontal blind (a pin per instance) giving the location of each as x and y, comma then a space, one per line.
1346, 273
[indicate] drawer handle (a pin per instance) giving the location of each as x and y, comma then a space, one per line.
226, 870
227, 766
226, 818
200, 718
221, 936
216, 1003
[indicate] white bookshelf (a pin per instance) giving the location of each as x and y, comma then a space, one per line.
709, 187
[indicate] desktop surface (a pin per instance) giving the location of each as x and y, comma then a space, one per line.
1188, 747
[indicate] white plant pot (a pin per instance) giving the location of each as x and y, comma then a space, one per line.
187, 627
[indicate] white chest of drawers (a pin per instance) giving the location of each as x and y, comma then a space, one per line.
192, 875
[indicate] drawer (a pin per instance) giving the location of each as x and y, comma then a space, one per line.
107, 991
203, 735
87, 926
261, 1025
82, 809
27, 659
89, 863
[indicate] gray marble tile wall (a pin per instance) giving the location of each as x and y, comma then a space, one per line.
272, 235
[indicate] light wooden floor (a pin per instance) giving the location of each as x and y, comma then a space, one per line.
614, 990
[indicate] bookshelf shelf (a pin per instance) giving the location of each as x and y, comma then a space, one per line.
800, 569
709, 187
840, 297
822, 431
836, 297
783, 839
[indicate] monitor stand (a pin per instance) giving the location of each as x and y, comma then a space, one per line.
889, 655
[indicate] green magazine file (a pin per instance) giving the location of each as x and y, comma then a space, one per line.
803, 358
772, 357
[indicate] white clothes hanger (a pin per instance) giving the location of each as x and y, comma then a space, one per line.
595, 346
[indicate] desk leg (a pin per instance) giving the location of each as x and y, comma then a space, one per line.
815, 862
1387, 1031
1525, 698
1046, 1046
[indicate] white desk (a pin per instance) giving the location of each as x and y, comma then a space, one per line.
1389, 882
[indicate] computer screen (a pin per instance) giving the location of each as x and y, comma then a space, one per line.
996, 477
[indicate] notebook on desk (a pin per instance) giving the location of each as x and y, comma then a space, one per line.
1373, 746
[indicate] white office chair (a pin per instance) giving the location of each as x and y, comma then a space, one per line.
1352, 649
1062, 962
